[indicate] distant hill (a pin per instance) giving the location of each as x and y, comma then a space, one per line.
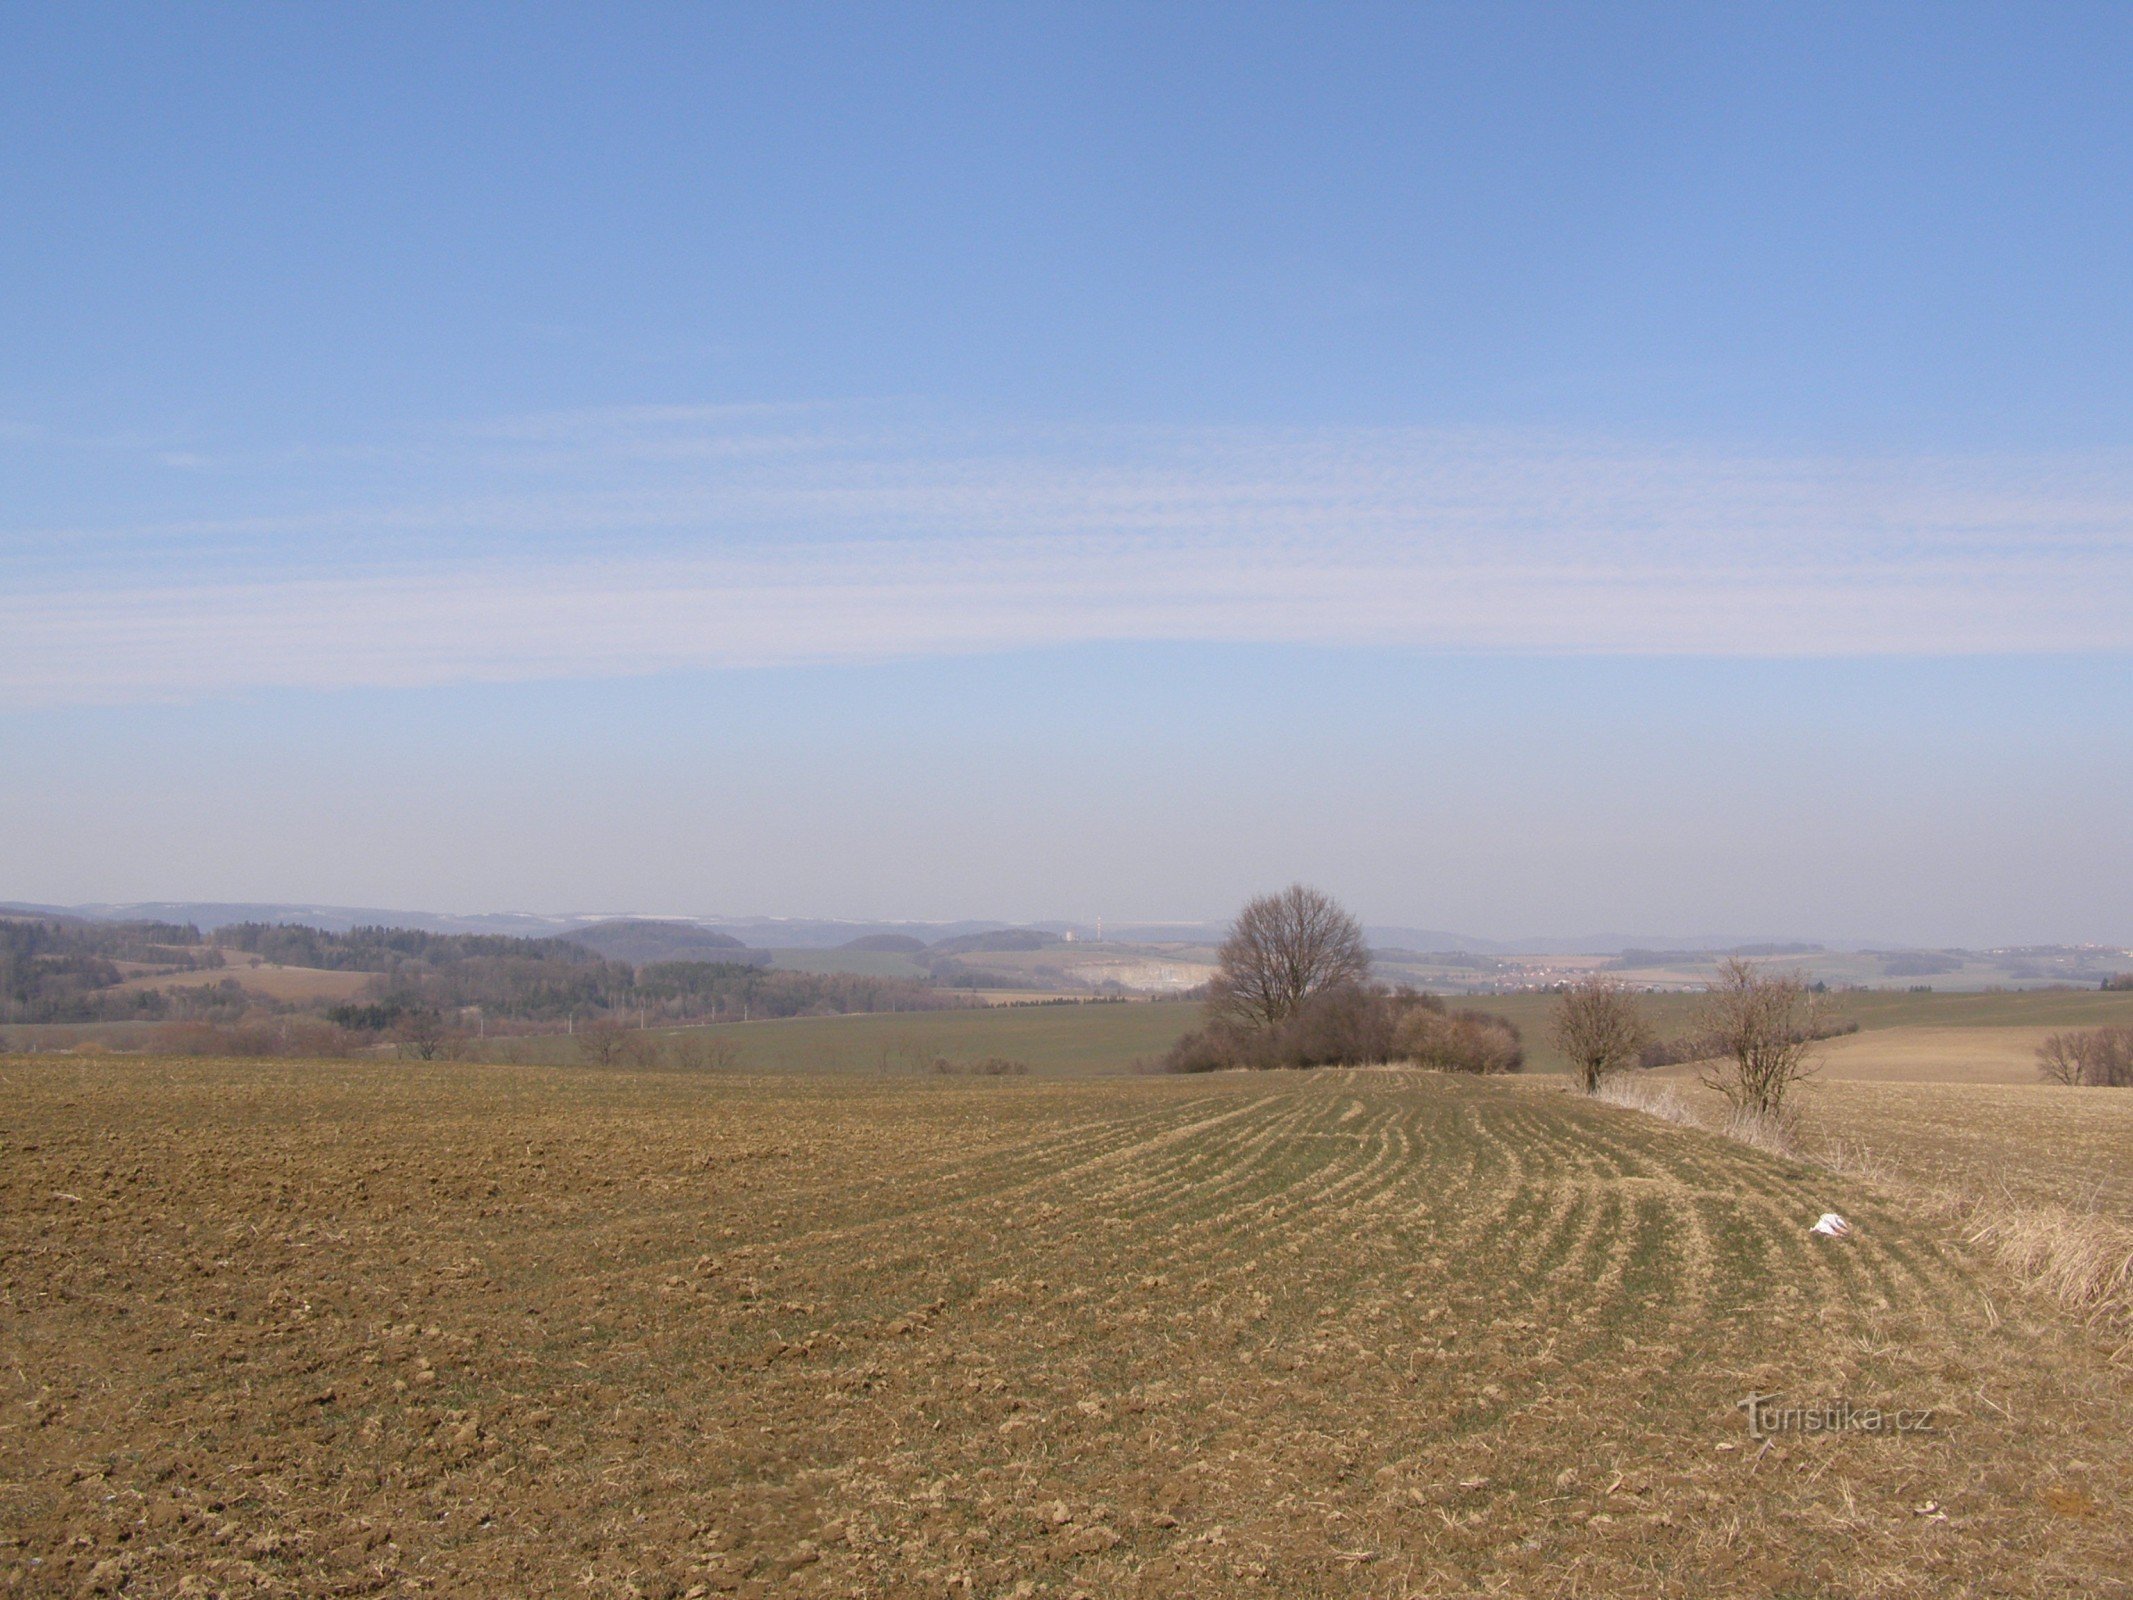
1004, 939
209, 915
641, 943
804, 933
901, 944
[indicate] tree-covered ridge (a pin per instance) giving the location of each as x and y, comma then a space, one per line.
58, 970
61, 970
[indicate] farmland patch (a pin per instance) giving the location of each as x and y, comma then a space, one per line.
482, 1329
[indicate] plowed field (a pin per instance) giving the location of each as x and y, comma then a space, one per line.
330, 1329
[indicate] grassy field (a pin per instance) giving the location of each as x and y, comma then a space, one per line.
361, 1329
1992, 1037
2025, 1015
1061, 1040
1978, 1037
2047, 1008
1936, 1055
1982, 1038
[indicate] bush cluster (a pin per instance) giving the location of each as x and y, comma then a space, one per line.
606, 1043
281, 1036
2100, 1058
990, 1067
1462, 1041
1350, 1025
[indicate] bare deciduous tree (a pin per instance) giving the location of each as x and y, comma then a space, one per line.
1767, 1024
1600, 1028
606, 1043
422, 1033
2097, 1057
2060, 1058
699, 1052
2110, 1057
1283, 949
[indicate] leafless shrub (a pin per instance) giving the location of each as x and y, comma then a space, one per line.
2111, 1058
987, 1067
309, 1037
1776, 1135
421, 1033
1600, 1027
1461, 1041
2094, 1057
1343, 1025
1216, 1048
696, 1052
608, 1044
2059, 1058
265, 1036
1766, 1024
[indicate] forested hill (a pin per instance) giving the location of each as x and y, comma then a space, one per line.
55, 969
386, 949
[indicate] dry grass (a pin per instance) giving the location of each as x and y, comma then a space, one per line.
464, 1329
2038, 1176
1935, 1055
2002, 1164
2028, 1144
1655, 1097
2084, 1262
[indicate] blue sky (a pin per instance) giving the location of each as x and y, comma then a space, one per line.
1662, 469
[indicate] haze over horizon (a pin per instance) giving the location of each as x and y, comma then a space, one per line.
1550, 468
811, 931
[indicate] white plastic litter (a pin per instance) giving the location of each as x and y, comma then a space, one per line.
1832, 1225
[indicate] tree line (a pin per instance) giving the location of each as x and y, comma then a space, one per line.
66, 971
2095, 1058
1293, 988
420, 985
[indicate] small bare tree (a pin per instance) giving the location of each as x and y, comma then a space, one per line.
2096, 1057
1282, 949
1600, 1028
1766, 1023
422, 1033
701, 1052
2110, 1058
606, 1043
2062, 1058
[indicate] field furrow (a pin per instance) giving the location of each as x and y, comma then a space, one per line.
453, 1330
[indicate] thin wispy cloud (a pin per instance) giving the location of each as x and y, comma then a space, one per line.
654, 539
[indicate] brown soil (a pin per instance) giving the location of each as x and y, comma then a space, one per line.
328, 1329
